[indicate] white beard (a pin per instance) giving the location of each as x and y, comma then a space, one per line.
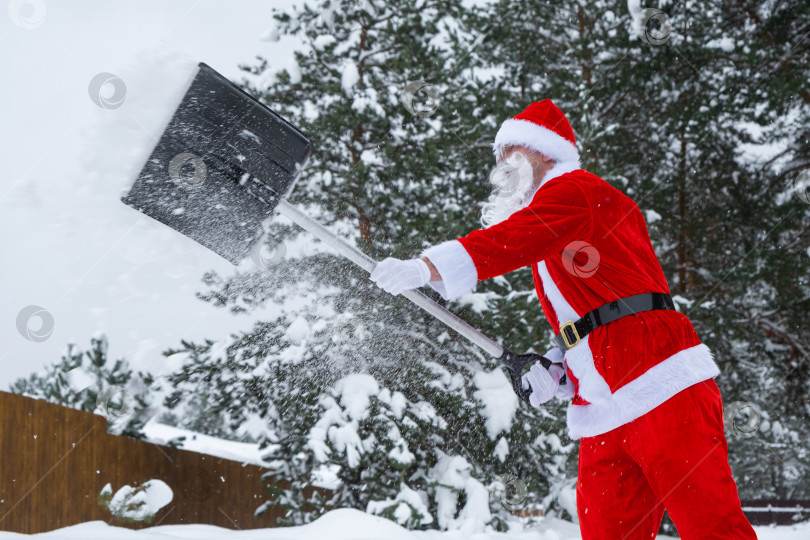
513, 189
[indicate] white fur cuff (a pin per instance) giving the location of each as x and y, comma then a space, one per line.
456, 268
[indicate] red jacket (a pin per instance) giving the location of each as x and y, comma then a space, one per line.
587, 244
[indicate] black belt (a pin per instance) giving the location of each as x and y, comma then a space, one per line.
571, 332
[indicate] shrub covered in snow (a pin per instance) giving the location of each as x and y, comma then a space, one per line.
136, 503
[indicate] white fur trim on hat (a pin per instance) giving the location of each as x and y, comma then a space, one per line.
539, 138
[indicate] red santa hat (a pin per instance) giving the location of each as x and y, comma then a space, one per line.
541, 127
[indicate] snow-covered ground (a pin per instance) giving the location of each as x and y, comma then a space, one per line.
351, 524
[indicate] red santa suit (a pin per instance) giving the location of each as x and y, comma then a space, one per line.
587, 245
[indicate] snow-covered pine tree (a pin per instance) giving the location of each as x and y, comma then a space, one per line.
90, 381
769, 286
727, 239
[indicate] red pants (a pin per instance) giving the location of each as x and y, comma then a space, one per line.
673, 457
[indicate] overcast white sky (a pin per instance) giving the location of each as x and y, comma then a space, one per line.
66, 242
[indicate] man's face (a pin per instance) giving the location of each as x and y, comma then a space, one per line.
509, 150
513, 181
516, 176
540, 164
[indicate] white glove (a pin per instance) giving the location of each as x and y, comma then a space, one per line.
566, 391
543, 383
394, 276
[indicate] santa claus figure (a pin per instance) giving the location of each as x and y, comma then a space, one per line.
643, 400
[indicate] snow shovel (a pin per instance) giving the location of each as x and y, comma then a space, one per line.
225, 164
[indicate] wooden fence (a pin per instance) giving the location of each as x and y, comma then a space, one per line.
54, 462
776, 511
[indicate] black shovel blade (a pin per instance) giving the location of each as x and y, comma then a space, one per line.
220, 167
